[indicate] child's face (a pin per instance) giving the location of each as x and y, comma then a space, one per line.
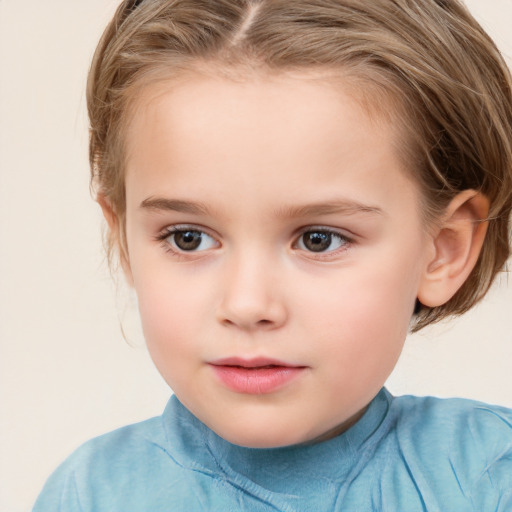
276, 247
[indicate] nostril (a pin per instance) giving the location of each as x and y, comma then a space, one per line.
249, 315
260, 323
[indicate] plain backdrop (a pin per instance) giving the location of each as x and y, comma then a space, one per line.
66, 372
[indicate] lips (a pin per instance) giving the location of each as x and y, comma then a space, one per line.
255, 376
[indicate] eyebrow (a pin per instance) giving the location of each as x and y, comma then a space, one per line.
344, 206
176, 205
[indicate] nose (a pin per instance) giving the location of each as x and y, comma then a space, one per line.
252, 295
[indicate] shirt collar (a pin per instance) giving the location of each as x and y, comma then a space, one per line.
288, 470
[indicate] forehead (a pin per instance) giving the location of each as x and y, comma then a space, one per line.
221, 91
266, 133
215, 106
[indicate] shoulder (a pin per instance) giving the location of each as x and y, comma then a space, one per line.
470, 421
144, 466
462, 441
132, 441
108, 466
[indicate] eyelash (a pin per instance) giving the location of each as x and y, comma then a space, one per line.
344, 241
172, 231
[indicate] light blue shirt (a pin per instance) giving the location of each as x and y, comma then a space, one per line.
406, 454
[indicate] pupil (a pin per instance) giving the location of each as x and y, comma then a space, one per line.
187, 240
317, 242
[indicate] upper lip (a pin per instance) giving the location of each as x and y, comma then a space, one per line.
256, 362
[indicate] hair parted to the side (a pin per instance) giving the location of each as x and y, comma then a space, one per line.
445, 77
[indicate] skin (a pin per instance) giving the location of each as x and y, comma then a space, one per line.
242, 162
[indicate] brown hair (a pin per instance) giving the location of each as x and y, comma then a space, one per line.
442, 71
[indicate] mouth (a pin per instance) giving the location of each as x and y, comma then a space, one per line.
255, 376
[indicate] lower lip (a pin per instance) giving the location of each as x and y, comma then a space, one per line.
256, 381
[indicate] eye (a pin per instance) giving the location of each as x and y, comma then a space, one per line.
321, 240
189, 240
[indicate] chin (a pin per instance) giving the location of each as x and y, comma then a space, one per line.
260, 438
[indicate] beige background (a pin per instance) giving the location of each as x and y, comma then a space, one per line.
66, 374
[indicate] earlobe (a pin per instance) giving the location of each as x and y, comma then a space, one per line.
456, 246
115, 227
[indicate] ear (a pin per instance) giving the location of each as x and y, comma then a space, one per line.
456, 245
115, 227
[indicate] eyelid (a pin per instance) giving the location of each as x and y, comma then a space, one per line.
173, 228
341, 233
168, 231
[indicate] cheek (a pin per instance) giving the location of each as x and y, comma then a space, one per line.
169, 298
368, 325
364, 314
169, 313
366, 298
364, 344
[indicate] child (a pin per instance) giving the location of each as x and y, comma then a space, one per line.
288, 185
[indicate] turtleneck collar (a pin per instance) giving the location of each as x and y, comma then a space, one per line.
286, 470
